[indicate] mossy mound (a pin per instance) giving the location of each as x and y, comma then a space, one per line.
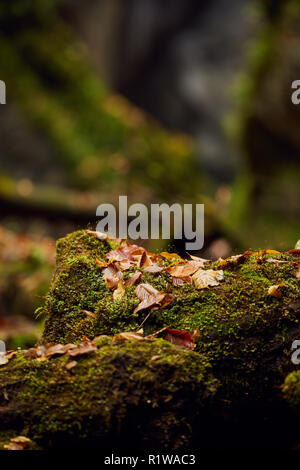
244, 331
123, 395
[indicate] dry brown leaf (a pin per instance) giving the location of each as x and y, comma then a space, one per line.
183, 270
171, 256
35, 353
200, 261
112, 275
101, 264
275, 291
133, 279
119, 292
83, 348
151, 297
144, 260
232, 260
129, 335
182, 338
18, 443
58, 349
154, 268
71, 364
180, 281
206, 278
88, 313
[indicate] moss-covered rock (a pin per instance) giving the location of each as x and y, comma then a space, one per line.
245, 332
123, 395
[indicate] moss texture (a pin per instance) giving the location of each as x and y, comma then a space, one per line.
242, 328
149, 393
125, 394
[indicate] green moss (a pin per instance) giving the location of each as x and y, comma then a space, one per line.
239, 322
97, 398
291, 390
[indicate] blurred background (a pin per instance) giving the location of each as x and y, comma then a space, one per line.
161, 100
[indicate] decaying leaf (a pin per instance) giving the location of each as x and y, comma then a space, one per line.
130, 335
180, 281
83, 348
182, 338
232, 260
133, 279
183, 270
71, 364
201, 261
36, 353
275, 291
88, 313
119, 292
112, 275
173, 257
204, 278
101, 264
18, 443
154, 268
151, 297
58, 349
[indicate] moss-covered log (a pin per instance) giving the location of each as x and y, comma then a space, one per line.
226, 393
123, 395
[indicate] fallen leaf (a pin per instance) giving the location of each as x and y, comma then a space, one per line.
58, 349
88, 313
101, 264
112, 276
232, 260
144, 260
180, 281
295, 252
133, 279
151, 297
275, 291
83, 348
129, 335
71, 364
200, 261
182, 338
171, 256
183, 270
205, 278
18, 443
119, 292
35, 353
154, 268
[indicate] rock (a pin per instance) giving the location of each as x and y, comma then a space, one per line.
148, 393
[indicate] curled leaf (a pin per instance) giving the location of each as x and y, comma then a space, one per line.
112, 275
151, 297
205, 278
133, 279
182, 338
275, 291
83, 348
18, 443
129, 335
